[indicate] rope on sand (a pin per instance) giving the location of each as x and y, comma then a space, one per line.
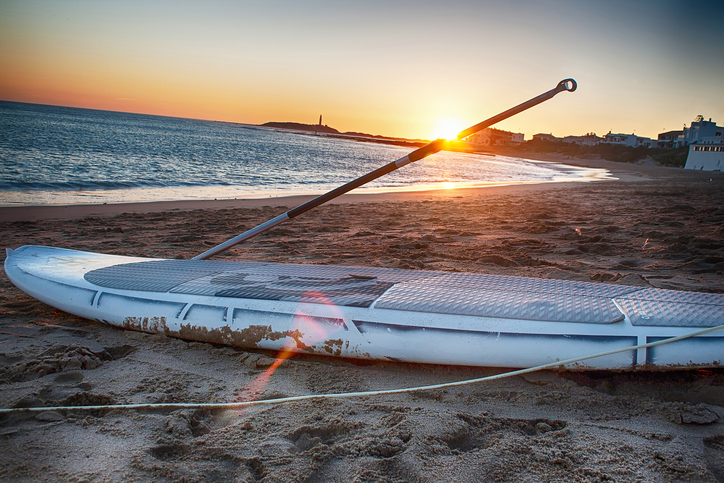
242, 404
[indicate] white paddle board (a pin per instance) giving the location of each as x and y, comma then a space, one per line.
377, 313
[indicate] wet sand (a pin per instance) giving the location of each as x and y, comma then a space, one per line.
659, 227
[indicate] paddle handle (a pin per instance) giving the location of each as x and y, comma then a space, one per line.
423, 152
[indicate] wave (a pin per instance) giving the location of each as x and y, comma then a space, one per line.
101, 185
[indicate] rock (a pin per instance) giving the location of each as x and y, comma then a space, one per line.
695, 415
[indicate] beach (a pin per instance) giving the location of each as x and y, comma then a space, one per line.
652, 226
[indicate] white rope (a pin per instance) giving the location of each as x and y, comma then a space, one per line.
235, 405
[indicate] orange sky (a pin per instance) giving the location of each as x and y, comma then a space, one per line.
382, 67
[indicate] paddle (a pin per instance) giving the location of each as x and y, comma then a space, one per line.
423, 152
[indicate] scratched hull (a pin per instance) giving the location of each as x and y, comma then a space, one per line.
374, 313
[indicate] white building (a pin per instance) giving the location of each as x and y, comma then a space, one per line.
590, 139
670, 139
631, 140
706, 157
517, 137
701, 130
625, 139
495, 137
645, 142
545, 137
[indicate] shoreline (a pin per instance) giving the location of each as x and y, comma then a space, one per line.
54, 212
618, 171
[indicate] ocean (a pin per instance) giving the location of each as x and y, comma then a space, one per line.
62, 155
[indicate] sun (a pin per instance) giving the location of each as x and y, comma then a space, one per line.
448, 128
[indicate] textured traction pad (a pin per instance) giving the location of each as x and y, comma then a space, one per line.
421, 291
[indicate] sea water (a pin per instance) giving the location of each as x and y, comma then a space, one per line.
62, 155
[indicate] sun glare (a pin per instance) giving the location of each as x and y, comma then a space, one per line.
448, 128
448, 186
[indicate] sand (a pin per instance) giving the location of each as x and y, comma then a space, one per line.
658, 227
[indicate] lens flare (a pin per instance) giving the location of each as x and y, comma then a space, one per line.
306, 330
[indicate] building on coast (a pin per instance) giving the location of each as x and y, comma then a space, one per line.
495, 137
706, 145
701, 131
705, 156
589, 139
670, 139
545, 137
630, 140
623, 139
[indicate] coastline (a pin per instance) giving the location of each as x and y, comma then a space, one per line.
620, 171
654, 227
51, 212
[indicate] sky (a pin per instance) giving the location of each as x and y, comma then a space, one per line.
389, 67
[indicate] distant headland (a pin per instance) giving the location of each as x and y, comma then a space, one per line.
297, 126
324, 129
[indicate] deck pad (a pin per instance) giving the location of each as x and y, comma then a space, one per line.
672, 314
526, 284
500, 303
473, 294
393, 289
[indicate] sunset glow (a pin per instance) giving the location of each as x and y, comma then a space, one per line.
291, 61
448, 128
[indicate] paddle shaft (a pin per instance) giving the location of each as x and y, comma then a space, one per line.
423, 152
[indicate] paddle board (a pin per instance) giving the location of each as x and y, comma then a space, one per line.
377, 313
